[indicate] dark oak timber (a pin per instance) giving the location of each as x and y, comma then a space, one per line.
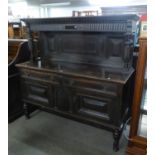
81, 68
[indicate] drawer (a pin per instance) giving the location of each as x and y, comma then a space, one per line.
39, 76
37, 92
95, 87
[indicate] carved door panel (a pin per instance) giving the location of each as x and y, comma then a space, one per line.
96, 108
38, 92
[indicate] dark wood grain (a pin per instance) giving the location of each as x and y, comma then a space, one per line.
81, 68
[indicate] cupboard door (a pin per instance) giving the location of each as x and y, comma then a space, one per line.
100, 109
38, 92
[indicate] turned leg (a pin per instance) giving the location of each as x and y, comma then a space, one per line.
118, 132
26, 111
116, 136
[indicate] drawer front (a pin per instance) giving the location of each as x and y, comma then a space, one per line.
43, 76
95, 108
109, 89
38, 92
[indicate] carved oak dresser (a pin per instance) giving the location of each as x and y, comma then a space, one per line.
81, 68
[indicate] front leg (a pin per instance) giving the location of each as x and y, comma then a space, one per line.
118, 132
26, 111
116, 135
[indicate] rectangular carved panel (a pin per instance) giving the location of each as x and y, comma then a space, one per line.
95, 108
85, 48
38, 92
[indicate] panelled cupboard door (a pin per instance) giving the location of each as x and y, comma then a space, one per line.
37, 92
94, 107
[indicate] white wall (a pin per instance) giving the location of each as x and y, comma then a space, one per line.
67, 11
33, 12
21, 10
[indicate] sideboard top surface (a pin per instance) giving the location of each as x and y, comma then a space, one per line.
101, 74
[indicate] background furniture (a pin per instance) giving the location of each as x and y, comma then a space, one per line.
133, 9
16, 30
17, 52
81, 68
85, 13
138, 138
143, 27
